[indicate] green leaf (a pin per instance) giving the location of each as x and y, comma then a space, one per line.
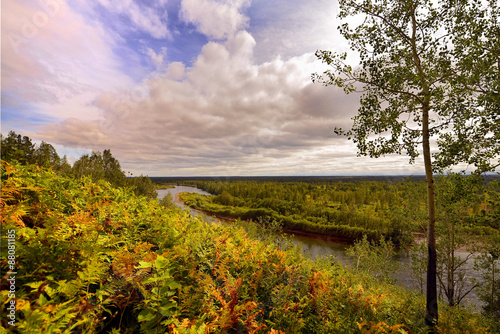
143, 265
146, 315
168, 310
161, 262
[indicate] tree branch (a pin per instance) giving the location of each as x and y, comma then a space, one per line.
383, 18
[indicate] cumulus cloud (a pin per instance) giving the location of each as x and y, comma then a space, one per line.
215, 19
224, 114
233, 110
176, 70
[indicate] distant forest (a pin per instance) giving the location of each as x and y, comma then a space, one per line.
312, 179
392, 207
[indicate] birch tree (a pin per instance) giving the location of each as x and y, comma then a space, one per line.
429, 76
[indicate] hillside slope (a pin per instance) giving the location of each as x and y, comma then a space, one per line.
90, 258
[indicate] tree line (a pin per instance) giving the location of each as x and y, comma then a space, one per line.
97, 165
352, 209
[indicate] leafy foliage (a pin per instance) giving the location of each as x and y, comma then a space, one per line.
374, 258
344, 209
97, 166
427, 70
456, 193
93, 258
423, 64
16, 147
142, 185
167, 201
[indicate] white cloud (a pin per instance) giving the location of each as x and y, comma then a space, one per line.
50, 58
223, 115
151, 20
157, 58
236, 110
176, 71
289, 28
215, 19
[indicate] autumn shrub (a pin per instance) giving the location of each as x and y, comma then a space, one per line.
91, 258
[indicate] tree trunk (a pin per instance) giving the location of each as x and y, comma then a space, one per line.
451, 266
493, 285
432, 306
431, 317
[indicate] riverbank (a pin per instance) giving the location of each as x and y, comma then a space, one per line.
312, 236
316, 245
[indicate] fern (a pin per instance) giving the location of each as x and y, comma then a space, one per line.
96, 259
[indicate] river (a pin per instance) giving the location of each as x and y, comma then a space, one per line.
315, 246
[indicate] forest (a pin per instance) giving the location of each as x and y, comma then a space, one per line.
92, 256
379, 215
391, 209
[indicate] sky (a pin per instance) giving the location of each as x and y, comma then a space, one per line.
182, 87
